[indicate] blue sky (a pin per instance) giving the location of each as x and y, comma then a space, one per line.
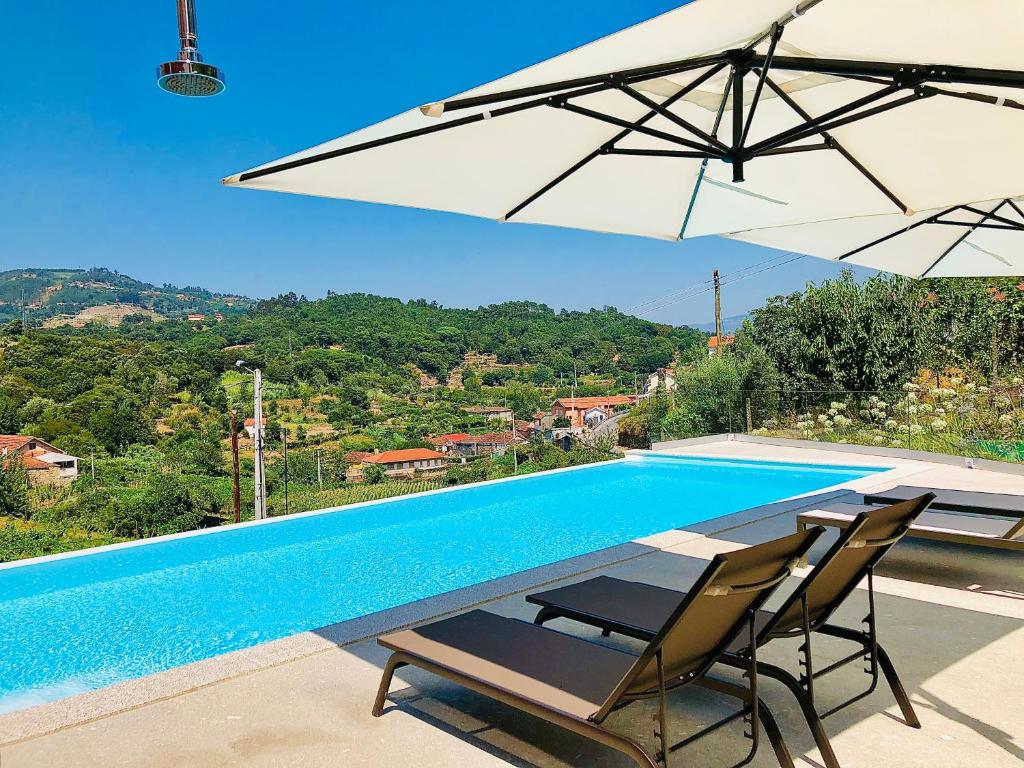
98, 167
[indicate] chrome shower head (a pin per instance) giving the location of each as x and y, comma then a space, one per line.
188, 75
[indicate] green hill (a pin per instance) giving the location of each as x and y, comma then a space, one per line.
63, 296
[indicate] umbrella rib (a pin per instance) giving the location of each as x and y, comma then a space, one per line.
629, 126
385, 140
604, 80
777, 30
607, 145
1015, 207
704, 165
984, 98
839, 147
672, 116
1005, 227
891, 235
992, 215
818, 124
984, 216
657, 153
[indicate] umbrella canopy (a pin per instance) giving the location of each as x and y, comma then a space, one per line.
983, 239
718, 117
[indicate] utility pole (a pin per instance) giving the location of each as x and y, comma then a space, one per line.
236, 492
284, 443
515, 457
718, 313
260, 508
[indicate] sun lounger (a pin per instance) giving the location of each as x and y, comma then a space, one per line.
970, 502
950, 527
977, 502
637, 610
576, 683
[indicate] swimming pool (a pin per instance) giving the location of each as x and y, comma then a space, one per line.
72, 624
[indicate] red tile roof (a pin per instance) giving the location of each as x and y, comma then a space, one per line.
13, 442
407, 454
357, 457
726, 341
447, 439
585, 403
30, 463
252, 422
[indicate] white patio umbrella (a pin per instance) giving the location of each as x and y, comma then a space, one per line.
983, 239
721, 116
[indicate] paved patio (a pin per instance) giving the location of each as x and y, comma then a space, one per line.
951, 617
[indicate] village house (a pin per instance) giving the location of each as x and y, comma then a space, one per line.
665, 378
44, 463
491, 412
250, 427
196, 317
491, 444
445, 443
543, 421
714, 344
406, 463
576, 409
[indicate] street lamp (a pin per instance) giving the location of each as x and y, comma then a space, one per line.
188, 75
259, 476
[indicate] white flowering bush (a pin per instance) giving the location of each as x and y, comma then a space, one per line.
950, 411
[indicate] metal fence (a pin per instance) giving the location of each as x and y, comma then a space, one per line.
953, 417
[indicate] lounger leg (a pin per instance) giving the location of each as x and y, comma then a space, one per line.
896, 686
885, 665
545, 614
764, 715
397, 660
814, 723
771, 729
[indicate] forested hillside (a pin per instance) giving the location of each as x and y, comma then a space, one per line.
436, 338
45, 295
147, 405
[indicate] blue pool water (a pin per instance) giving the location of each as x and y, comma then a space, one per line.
84, 622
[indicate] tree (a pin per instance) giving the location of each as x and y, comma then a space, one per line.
373, 474
10, 422
13, 489
842, 335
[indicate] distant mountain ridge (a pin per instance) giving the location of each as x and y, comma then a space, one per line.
71, 296
729, 324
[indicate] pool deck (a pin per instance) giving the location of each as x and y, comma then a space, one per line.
952, 618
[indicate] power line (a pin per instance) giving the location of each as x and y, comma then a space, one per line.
752, 270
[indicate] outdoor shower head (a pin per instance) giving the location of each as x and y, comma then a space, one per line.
188, 75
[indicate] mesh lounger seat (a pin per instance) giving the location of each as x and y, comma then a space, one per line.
637, 610
576, 683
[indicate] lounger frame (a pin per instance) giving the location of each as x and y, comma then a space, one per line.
802, 686
754, 711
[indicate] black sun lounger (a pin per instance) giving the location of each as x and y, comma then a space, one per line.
975, 526
950, 527
576, 683
637, 610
